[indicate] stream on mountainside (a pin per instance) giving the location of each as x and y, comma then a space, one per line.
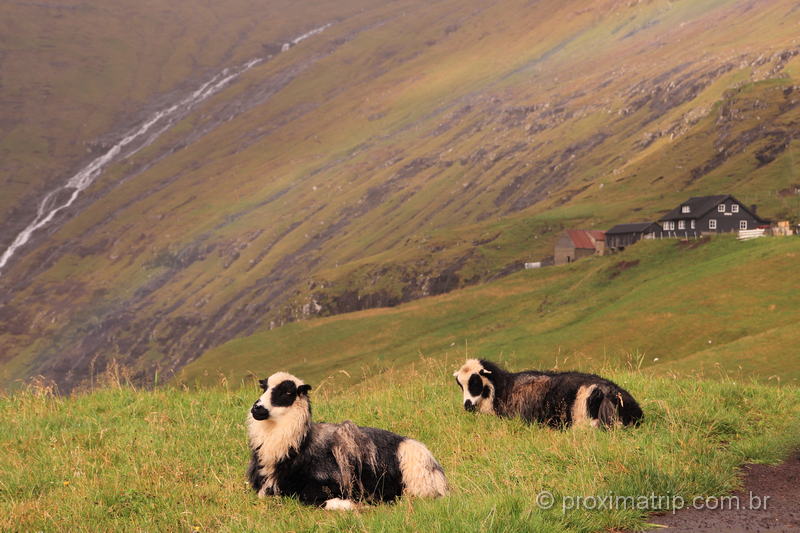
132, 141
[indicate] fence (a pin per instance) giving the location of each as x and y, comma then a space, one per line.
747, 234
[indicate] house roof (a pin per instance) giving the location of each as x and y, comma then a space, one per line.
636, 227
698, 206
597, 234
583, 238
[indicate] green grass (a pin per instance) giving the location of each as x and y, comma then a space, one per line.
122, 459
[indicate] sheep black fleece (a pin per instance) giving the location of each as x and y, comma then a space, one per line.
558, 399
334, 465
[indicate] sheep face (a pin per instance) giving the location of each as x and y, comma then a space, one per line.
281, 392
477, 388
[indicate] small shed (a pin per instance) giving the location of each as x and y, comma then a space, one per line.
782, 229
576, 243
623, 235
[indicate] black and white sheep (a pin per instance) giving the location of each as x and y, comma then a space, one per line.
558, 399
331, 465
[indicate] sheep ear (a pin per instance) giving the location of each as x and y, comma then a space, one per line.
263, 384
455, 374
484, 372
303, 389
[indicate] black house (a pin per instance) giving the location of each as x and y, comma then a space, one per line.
710, 214
623, 235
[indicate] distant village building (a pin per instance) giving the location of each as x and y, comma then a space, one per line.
623, 235
710, 214
696, 216
782, 229
576, 243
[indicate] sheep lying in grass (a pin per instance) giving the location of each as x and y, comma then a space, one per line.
558, 399
332, 465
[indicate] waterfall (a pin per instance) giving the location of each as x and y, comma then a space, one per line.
146, 134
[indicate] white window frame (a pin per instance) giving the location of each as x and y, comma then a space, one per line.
686, 209
681, 224
692, 223
742, 224
721, 208
712, 223
734, 208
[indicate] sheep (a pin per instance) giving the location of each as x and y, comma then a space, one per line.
335, 466
556, 399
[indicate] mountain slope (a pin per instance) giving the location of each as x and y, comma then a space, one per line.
76, 74
718, 308
409, 149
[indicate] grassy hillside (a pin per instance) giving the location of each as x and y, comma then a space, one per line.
716, 306
411, 148
173, 460
62, 98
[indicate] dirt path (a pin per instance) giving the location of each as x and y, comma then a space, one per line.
781, 484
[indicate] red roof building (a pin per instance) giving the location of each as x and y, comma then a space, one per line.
576, 243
